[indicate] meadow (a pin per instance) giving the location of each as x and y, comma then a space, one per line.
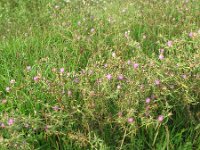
100, 74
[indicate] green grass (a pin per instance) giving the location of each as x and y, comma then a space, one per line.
82, 36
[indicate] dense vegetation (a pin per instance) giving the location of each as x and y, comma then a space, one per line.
100, 74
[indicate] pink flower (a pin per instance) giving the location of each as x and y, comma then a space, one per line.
120, 77
7, 89
128, 62
3, 125
36, 78
10, 122
161, 51
62, 70
130, 120
148, 100
169, 43
69, 93
56, 108
135, 65
184, 76
160, 118
157, 82
109, 76
161, 56
191, 34
105, 65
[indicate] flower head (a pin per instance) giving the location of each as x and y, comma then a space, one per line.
7, 89
62, 70
148, 100
69, 93
157, 82
10, 121
135, 65
36, 78
3, 125
161, 56
28, 68
12, 81
169, 43
160, 118
109, 76
120, 77
130, 120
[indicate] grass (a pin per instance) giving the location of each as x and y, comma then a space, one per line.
78, 74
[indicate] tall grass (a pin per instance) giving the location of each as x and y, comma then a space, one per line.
94, 74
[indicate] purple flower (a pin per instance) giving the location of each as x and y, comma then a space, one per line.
105, 65
130, 120
148, 100
160, 118
36, 78
109, 76
120, 77
62, 70
169, 43
184, 76
69, 93
55, 108
10, 121
135, 65
191, 34
3, 125
76, 80
157, 82
161, 56
161, 51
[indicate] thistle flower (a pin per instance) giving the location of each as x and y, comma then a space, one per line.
69, 93
157, 82
161, 56
36, 78
169, 43
109, 76
130, 120
135, 65
148, 100
160, 118
3, 125
191, 34
55, 108
120, 77
10, 121
62, 70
